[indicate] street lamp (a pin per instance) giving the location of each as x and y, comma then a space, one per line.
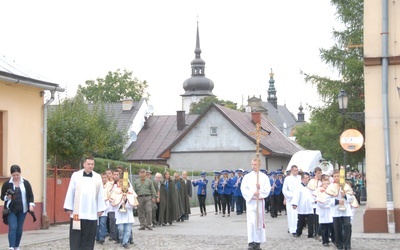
343, 101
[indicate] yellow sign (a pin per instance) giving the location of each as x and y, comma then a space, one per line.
351, 140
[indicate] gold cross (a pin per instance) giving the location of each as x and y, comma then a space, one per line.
258, 133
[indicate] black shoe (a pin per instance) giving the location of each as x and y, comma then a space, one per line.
126, 246
326, 244
101, 242
252, 246
257, 247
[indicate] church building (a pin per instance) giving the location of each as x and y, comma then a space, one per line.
198, 85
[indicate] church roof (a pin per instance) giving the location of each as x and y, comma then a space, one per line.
279, 115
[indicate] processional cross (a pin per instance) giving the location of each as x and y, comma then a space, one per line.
258, 133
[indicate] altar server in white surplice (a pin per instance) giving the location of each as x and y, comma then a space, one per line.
255, 190
85, 203
290, 184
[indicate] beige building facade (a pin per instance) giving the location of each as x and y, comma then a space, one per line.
382, 115
22, 126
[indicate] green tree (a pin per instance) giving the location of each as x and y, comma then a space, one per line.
115, 87
75, 131
200, 106
345, 56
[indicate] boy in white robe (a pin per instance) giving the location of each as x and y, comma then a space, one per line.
303, 201
255, 188
290, 183
323, 208
124, 218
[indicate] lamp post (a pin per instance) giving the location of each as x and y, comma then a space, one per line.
343, 101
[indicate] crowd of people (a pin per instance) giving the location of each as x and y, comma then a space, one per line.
323, 203
103, 205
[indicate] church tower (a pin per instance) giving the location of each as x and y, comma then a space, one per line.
272, 91
300, 115
197, 86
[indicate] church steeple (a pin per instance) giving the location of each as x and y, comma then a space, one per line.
272, 91
197, 86
300, 115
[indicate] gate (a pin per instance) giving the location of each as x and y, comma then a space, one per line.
57, 185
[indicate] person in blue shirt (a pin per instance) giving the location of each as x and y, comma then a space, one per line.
276, 189
225, 190
214, 187
233, 177
201, 192
237, 193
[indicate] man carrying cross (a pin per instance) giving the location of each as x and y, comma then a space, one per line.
255, 187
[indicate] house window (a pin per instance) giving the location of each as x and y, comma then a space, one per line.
1, 143
214, 131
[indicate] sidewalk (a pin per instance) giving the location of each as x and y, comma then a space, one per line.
210, 225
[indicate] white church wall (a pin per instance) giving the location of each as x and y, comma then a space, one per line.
211, 161
227, 139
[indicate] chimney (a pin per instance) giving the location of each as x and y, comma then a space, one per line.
127, 105
256, 117
180, 119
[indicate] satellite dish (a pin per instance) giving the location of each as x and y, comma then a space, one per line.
248, 109
326, 166
150, 109
284, 125
133, 136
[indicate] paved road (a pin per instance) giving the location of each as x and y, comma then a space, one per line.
209, 232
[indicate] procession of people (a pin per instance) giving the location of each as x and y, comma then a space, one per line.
102, 206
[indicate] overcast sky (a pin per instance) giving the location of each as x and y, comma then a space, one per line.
69, 42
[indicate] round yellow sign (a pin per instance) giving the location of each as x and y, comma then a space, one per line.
351, 140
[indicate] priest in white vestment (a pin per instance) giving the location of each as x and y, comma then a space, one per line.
255, 187
85, 203
289, 186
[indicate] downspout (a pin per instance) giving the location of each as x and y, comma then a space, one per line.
45, 218
385, 111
